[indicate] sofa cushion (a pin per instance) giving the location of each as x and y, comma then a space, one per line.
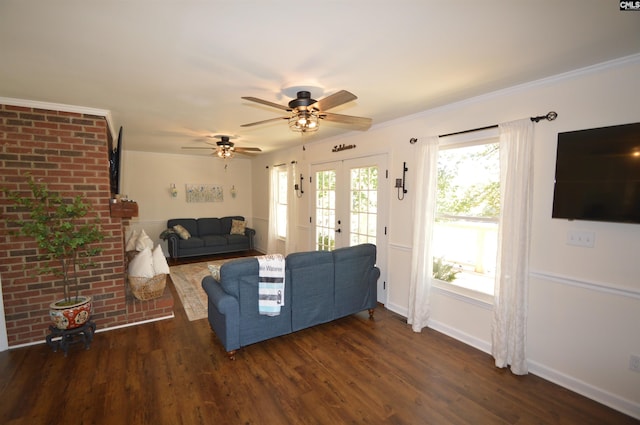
225, 223
160, 265
190, 224
130, 245
209, 226
237, 239
192, 242
232, 271
237, 227
142, 264
182, 232
255, 327
214, 269
143, 241
312, 276
214, 240
353, 266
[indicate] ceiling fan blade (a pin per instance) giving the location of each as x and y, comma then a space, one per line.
247, 149
359, 123
244, 153
264, 121
333, 100
198, 147
266, 102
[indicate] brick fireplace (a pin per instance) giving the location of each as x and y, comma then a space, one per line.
68, 151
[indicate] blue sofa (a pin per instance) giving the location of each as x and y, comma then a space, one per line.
320, 286
208, 236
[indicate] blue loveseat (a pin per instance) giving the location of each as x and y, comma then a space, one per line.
320, 286
207, 236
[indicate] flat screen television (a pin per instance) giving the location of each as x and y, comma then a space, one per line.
598, 174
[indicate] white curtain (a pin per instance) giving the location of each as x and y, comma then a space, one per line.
424, 213
272, 236
292, 212
509, 336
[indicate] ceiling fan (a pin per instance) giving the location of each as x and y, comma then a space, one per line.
305, 112
225, 148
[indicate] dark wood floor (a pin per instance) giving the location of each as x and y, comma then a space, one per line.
351, 371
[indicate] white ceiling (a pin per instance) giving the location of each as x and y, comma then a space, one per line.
174, 71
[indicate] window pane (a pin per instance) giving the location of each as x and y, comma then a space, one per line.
281, 208
468, 207
363, 204
325, 210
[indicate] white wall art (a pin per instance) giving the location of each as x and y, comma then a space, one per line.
204, 193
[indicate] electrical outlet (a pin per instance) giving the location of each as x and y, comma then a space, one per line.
634, 363
581, 238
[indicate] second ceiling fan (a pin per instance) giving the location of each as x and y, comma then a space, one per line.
225, 148
305, 112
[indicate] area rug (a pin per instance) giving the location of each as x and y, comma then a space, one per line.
187, 279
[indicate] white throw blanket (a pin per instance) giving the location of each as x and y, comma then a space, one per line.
270, 284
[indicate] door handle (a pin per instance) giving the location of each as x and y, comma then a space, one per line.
338, 231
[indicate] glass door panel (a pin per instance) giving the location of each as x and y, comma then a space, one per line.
346, 198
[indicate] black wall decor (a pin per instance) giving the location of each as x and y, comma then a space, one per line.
115, 156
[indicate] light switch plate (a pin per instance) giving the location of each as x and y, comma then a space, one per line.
582, 238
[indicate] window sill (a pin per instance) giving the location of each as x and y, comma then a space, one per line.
464, 294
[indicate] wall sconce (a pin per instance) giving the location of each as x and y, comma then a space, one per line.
233, 191
173, 190
298, 188
400, 182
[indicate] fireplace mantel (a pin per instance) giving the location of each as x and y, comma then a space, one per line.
123, 208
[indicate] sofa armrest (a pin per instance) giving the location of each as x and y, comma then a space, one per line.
223, 302
250, 233
172, 245
223, 314
374, 275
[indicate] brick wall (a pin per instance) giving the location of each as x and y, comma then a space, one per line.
68, 151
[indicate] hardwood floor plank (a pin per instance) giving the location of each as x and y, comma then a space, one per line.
350, 371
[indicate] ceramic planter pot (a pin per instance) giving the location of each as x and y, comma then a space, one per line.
70, 316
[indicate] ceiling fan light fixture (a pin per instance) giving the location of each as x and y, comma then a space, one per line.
225, 153
304, 121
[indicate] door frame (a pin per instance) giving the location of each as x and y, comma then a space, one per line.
382, 240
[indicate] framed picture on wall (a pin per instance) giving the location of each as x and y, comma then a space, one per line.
204, 193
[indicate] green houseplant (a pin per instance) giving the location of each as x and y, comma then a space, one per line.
444, 271
66, 240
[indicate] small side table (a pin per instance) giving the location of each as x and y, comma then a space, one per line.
67, 337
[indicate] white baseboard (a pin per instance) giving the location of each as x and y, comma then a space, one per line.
599, 395
461, 336
402, 311
126, 325
615, 402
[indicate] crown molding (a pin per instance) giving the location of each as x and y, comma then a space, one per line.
614, 63
65, 108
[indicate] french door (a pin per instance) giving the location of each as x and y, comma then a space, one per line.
347, 196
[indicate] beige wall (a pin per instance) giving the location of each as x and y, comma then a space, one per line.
584, 303
148, 176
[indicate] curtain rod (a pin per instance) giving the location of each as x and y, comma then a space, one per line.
549, 117
278, 165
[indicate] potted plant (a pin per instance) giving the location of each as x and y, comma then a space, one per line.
66, 241
444, 271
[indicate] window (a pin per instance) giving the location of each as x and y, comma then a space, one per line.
281, 204
465, 236
325, 210
364, 205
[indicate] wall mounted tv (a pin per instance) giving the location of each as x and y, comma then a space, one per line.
598, 174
